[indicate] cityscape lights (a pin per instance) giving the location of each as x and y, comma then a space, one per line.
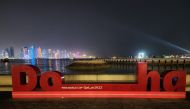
33, 52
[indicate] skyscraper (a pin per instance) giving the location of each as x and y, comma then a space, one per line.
57, 54
32, 55
44, 53
25, 53
50, 53
7, 53
11, 52
39, 52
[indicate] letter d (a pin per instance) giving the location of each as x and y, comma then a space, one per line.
24, 77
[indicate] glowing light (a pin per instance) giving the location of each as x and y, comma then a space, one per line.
169, 44
84, 55
114, 57
164, 42
141, 55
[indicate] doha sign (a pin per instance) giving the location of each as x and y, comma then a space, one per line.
29, 82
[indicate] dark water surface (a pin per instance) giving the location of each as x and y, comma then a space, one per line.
59, 65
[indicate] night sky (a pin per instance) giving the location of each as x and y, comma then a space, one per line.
99, 27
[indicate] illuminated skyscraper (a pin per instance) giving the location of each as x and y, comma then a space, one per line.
4, 54
77, 55
32, 55
57, 54
44, 53
11, 52
1, 54
50, 53
25, 53
39, 52
66, 55
61, 54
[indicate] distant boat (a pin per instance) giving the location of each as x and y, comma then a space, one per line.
5, 60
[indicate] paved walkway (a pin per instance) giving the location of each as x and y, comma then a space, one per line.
8, 103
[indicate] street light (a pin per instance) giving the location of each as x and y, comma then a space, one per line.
141, 55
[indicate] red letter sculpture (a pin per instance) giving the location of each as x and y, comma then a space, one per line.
24, 77
51, 81
174, 81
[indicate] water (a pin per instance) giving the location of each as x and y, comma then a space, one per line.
59, 65
43, 64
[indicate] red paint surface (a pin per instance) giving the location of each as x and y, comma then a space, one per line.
56, 82
17, 75
98, 94
132, 90
180, 84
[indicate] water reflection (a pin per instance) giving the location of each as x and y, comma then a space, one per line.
6, 67
59, 65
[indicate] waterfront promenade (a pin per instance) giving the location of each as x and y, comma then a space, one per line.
93, 103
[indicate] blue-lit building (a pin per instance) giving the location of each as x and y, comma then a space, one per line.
32, 55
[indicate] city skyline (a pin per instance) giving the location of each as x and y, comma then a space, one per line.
34, 52
31, 52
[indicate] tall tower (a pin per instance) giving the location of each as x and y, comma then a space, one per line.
32, 55
44, 53
39, 52
7, 53
57, 54
50, 54
11, 52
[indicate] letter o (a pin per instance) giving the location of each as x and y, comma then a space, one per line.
55, 78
